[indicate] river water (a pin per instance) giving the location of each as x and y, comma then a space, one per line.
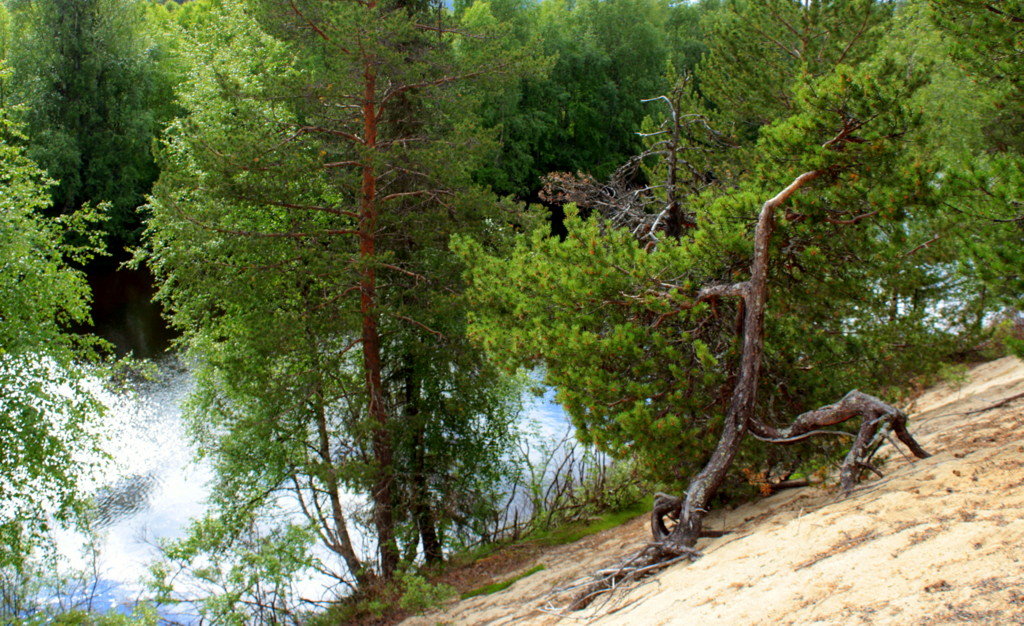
149, 493
155, 488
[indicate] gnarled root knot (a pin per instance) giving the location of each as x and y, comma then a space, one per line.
668, 507
879, 419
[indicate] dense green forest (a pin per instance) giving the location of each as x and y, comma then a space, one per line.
376, 223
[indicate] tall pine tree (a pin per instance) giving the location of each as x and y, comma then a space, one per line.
300, 230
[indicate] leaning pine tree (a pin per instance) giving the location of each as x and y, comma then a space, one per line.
675, 324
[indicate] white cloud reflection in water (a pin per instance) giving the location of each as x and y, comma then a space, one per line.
154, 489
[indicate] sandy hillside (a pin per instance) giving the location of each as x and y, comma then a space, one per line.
937, 541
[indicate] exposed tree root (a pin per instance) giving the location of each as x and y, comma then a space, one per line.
666, 549
989, 407
668, 507
879, 419
653, 558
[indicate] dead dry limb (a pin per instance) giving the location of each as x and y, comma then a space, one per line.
651, 559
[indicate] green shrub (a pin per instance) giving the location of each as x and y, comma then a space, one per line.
420, 595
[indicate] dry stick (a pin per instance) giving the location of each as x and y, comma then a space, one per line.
780, 486
892, 443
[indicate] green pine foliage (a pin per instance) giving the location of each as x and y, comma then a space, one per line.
986, 191
854, 302
252, 235
5, 32
760, 48
985, 38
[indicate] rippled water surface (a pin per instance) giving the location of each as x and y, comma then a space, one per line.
154, 488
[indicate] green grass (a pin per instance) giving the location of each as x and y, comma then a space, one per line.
505, 584
566, 533
563, 535
575, 532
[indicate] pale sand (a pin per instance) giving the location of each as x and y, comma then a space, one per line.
937, 541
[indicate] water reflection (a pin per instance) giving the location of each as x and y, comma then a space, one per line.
124, 498
151, 490
125, 314
154, 488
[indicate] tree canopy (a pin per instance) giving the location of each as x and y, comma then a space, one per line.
87, 75
300, 228
641, 369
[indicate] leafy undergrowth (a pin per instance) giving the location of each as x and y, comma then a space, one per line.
493, 568
570, 533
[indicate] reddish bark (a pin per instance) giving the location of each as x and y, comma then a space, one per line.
383, 450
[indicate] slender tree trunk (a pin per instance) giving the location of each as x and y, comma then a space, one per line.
383, 449
341, 542
422, 511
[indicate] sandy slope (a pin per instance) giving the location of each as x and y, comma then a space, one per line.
937, 541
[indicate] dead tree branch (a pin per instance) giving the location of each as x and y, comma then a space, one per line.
648, 211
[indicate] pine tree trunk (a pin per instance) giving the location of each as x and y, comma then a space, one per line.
383, 448
425, 522
422, 511
754, 294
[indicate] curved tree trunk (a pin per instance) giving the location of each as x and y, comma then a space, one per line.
669, 546
336, 533
741, 406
